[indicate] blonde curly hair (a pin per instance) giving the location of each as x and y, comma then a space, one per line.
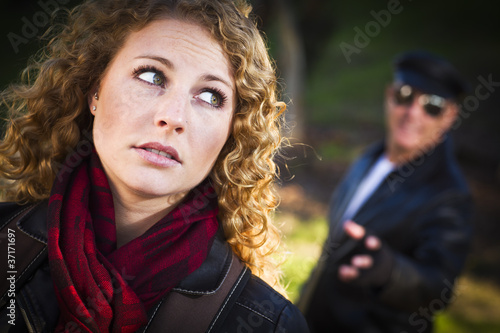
49, 112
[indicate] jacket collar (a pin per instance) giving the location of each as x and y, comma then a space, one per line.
34, 223
209, 276
205, 280
424, 165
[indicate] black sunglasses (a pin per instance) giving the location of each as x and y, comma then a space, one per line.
432, 104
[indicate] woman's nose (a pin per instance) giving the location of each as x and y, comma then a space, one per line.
172, 112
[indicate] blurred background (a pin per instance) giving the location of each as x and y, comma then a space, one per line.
334, 61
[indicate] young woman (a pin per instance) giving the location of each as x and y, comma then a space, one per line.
138, 172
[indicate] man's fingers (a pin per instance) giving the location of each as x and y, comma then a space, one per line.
354, 230
373, 243
357, 232
362, 261
347, 273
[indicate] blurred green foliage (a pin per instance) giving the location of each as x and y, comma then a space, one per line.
342, 92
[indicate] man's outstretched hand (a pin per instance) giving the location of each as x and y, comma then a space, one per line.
373, 266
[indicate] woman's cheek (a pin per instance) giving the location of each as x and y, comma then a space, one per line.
133, 102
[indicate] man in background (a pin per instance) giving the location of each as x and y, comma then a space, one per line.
400, 219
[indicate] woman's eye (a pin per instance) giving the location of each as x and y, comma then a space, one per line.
153, 78
213, 99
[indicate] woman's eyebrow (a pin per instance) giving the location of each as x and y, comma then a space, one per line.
162, 60
211, 77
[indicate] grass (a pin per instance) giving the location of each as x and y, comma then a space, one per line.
303, 241
476, 308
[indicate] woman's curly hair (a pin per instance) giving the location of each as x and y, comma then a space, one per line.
49, 112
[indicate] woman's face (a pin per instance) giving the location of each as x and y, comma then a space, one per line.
164, 110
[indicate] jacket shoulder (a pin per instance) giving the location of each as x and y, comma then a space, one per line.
34, 221
260, 308
9, 210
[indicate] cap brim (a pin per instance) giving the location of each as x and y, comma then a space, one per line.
423, 83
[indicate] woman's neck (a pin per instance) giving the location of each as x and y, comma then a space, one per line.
134, 215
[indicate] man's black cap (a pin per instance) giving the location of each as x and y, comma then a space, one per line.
430, 74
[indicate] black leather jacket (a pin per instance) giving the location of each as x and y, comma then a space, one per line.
258, 308
422, 212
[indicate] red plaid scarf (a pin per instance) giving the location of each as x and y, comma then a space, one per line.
104, 289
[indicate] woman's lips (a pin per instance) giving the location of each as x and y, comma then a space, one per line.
158, 154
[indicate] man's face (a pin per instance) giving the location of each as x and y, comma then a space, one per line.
415, 121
